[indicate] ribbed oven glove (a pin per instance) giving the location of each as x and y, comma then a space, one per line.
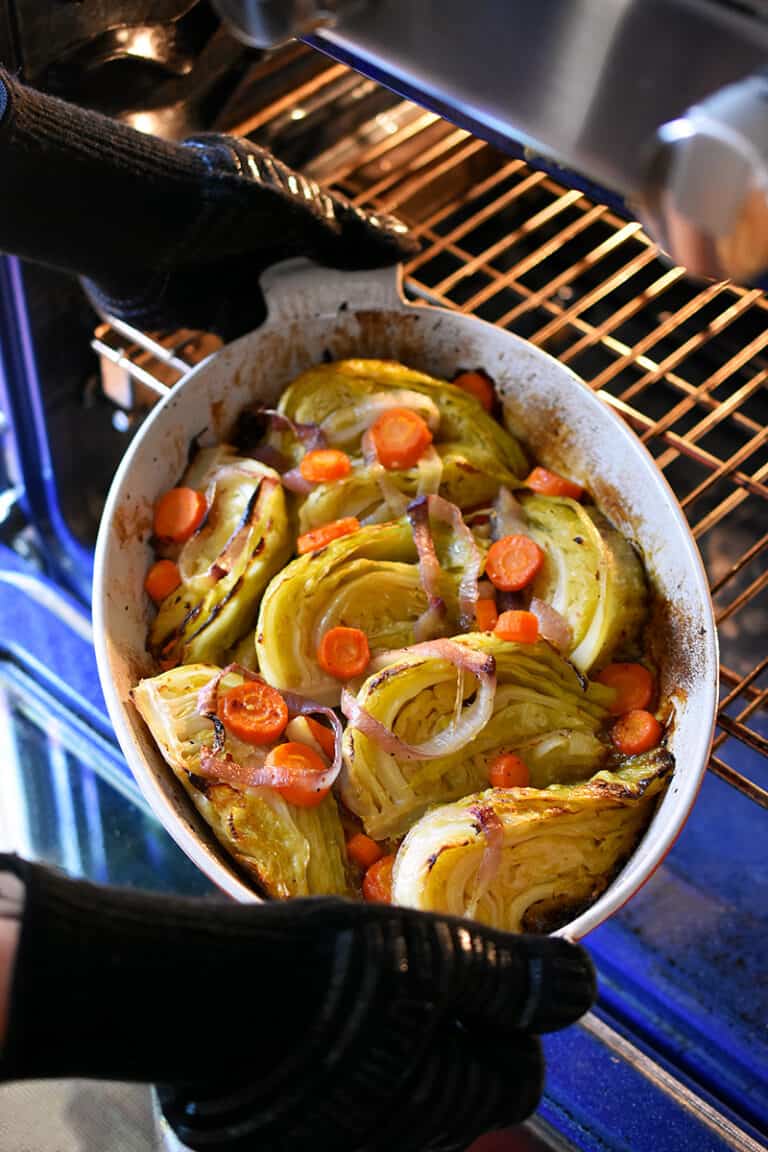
167, 234
317, 1023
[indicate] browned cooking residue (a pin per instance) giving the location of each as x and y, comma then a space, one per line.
217, 407
673, 644
132, 520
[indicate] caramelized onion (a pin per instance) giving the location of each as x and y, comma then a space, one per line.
431, 622
449, 513
552, 626
251, 771
457, 734
493, 831
310, 435
508, 518
295, 482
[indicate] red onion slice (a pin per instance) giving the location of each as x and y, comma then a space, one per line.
252, 771
431, 622
508, 518
493, 831
552, 626
310, 435
456, 735
295, 482
441, 509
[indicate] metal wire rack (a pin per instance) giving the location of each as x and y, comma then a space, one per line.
685, 365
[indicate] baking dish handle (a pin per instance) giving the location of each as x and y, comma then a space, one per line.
298, 289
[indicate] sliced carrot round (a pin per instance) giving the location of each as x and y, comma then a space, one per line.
300, 758
319, 537
508, 771
637, 731
518, 627
377, 882
363, 851
513, 562
486, 615
632, 683
162, 579
400, 438
178, 514
478, 385
323, 464
254, 712
324, 736
548, 483
344, 652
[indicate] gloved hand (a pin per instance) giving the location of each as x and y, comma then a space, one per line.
315, 1023
167, 234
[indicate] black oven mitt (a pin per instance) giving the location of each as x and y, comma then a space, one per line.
316, 1023
167, 234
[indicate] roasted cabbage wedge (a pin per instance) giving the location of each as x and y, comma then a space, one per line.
369, 580
551, 851
591, 575
226, 565
542, 709
473, 455
287, 850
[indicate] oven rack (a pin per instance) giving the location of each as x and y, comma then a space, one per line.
686, 365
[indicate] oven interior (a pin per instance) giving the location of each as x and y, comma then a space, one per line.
675, 1054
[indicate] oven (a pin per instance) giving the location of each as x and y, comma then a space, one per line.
675, 1054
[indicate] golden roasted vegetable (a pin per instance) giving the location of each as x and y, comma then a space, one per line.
473, 455
368, 580
527, 859
226, 565
287, 850
591, 576
542, 709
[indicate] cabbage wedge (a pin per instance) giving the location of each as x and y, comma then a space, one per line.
591, 575
557, 849
287, 850
227, 564
368, 580
542, 709
473, 454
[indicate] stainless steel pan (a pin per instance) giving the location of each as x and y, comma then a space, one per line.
313, 313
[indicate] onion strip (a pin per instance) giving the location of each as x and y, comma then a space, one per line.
493, 831
253, 772
552, 626
457, 734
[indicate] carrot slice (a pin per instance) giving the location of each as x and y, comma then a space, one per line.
323, 735
318, 538
513, 562
519, 627
178, 514
344, 652
478, 385
364, 851
632, 683
323, 464
162, 579
486, 615
254, 712
400, 437
377, 882
300, 757
508, 771
548, 483
637, 731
